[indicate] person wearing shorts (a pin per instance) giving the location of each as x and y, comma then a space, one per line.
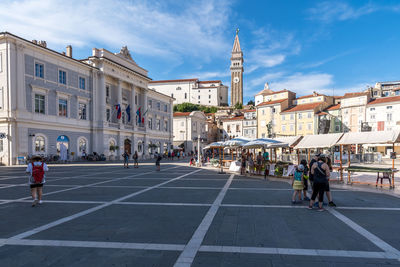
321, 173
36, 187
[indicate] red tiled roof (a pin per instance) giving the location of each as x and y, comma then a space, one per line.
385, 100
249, 110
171, 81
216, 81
334, 107
307, 96
273, 93
266, 103
322, 113
234, 118
181, 114
350, 95
338, 97
303, 107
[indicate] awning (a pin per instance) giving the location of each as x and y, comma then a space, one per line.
214, 145
379, 137
290, 141
319, 141
263, 143
236, 142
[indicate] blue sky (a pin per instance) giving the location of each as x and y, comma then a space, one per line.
331, 47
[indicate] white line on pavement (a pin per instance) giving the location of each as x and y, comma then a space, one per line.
368, 235
187, 256
91, 210
294, 251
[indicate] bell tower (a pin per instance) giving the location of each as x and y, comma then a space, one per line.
236, 72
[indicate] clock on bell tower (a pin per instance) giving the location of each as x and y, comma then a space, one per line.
236, 72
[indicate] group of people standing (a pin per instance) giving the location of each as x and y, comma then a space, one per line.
317, 172
255, 166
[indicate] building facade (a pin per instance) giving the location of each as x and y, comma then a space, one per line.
383, 114
50, 99
188, 126
353, 107
207, 93
233, 127
236, 73
250, 124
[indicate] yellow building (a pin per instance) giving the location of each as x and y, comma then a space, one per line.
268, 111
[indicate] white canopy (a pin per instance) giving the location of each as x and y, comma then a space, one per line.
236, 142
263, 143
319, 141
379, 137
215, 144
287, 141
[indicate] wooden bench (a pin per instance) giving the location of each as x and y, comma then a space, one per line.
386, 173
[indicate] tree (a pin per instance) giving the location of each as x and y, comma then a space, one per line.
189, 107
250, 103
238, 106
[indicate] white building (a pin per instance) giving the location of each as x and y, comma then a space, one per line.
384, 89
233, 127
353, 108
250, 124
208, 93
383, 114
188, 126
48, 98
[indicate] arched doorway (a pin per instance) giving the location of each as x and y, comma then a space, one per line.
63, 146
128, 146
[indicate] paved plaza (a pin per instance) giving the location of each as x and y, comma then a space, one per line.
105, 215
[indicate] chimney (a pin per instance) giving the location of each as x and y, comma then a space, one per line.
69, 51
34, 41
43, 44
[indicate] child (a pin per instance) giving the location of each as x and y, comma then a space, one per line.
159, 158
297, 183
305, 179
37, 170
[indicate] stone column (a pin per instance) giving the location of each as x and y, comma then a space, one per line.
145, 107
98, 111
133, 106
120, 140
20, 78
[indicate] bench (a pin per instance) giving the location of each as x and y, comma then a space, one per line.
386, 173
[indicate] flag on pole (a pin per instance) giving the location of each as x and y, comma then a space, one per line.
139, 114
128, 112
118, 108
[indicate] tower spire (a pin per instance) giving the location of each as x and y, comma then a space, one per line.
236, 43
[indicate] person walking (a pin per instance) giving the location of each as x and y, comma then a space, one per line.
251, 164
158, 159
243, 164
126, 159
260, 160
297, 183
135, 160
321, 173
37, 177
327, 189
305, 179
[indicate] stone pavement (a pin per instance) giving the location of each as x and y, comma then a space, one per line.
105, 215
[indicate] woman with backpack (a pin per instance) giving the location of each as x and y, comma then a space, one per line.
37, 176
126, 159
305, 180
321, 173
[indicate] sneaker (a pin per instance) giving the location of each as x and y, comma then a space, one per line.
309, 207
321, 209
331, 204
34, 203
306, 199
40, 201
293, 202
316, 204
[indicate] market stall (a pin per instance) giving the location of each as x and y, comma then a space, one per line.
365, 138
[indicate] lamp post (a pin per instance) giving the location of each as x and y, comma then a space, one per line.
198, 151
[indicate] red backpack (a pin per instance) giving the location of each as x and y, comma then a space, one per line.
38, 173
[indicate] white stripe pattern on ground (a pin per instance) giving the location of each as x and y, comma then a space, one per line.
368, 235
91, 210
205, 248
81, 186
187, 256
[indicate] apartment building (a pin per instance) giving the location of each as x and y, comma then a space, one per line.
188, 126
233, 127
353, 108
250, 123
383, 114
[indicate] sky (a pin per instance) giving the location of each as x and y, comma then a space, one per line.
331, 47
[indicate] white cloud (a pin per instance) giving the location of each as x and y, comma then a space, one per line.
195, 29
209, 75
329, 11
304, 84
261, 80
